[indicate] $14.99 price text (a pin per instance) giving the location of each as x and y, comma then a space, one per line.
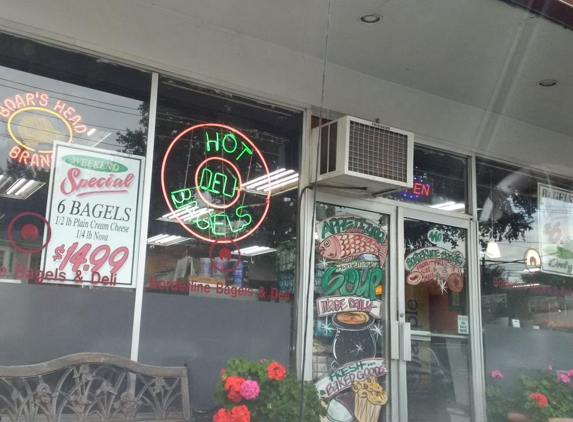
84, 257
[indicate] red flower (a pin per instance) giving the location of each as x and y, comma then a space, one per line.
276, 371
540, 398
233, 388
222, 416
223, 370
240, 414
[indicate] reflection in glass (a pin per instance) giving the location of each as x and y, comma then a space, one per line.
527, 292
49, 95
438, 376
440, 181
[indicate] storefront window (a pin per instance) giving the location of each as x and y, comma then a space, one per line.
70, 197
220, 262
440, 181
526, 285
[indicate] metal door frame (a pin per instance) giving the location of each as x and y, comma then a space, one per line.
474, 313
398, 399
394, 402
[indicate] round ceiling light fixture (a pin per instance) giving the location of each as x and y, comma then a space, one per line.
370, 18
546, 83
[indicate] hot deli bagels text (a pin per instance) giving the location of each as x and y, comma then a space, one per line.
94, 208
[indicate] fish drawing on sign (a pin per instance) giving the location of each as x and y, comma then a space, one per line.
350, 244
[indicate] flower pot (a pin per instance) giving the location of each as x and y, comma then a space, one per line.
516, 417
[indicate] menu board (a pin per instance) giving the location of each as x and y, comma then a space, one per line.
555, 219
94, 210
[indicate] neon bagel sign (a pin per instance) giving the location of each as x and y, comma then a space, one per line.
250, 144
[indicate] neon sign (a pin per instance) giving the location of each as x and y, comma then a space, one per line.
215, 208
34, 125
420, 189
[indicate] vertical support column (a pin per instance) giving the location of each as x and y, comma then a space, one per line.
305, 257
140, 273
475, 323
401, 413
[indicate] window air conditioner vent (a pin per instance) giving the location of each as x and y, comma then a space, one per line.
358, 153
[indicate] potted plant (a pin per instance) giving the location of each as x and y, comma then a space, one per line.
500, 404
547, 397
263, 391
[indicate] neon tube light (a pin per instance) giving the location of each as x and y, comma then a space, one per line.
156, 238
252, 150
15, 186
250, 183
283, 182
269, 180
26, 186
453, 207
253, 251
197, 183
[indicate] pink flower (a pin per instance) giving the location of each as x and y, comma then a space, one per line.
564, 378
570, 373
250, 390
496, 374
549, 368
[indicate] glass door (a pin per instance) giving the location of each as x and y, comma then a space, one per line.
350, 362
435, 364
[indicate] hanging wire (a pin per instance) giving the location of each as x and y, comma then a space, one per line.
310, 285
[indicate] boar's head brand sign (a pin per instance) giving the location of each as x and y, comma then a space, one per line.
35, 121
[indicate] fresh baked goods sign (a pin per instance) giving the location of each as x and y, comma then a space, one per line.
352, 253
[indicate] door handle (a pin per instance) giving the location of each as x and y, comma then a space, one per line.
395, 340
405, 341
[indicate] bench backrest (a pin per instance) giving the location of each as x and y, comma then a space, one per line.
93, 387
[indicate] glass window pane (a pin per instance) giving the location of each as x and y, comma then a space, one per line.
350, 344
436, 296
440, 181
526, 279
220, 264
51, 98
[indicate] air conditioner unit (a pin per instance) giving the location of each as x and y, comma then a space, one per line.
362, 154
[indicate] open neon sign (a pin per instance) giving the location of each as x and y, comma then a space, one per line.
420, 189
218, 182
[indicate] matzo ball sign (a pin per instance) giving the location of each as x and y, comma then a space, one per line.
34, 121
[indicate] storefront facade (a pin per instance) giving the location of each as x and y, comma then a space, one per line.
169, 213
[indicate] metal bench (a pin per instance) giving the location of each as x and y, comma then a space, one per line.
93, 387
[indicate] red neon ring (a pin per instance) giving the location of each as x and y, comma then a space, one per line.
234, 267
163, 188
11, 238
221, 207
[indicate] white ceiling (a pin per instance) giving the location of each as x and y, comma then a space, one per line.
482, 53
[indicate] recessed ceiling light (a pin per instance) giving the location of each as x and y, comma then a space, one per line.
546, 83
370, 18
